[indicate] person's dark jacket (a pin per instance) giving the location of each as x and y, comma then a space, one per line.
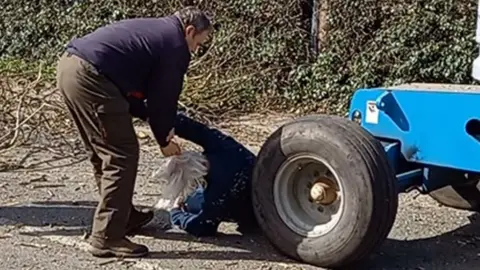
227, 195
148, 56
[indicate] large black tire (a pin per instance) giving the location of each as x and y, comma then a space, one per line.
368, 183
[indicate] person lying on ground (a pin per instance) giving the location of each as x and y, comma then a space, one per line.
226, 197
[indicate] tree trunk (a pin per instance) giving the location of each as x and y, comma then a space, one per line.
322, 17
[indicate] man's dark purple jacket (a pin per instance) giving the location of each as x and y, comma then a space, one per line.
147, 55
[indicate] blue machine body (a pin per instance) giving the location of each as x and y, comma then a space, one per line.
423, 126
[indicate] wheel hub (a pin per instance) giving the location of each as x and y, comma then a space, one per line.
308, 195
324, 191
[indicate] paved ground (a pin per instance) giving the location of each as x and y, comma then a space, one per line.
46, 208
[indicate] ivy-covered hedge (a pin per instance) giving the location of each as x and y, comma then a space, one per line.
374, 43
260, 51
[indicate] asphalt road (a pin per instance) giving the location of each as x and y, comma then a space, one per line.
46, 209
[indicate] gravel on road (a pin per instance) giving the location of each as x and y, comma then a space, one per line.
45, 210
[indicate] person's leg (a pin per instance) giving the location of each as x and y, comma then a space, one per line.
242, 206
93, 157
97, 170
102, 117
240, 199
137, 218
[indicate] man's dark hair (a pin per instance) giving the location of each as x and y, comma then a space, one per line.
195, 17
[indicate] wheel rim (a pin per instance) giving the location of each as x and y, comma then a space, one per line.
308, 195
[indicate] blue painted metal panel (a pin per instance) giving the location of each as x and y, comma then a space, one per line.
409, 179
429, 124
392, 151
476, 62
407, 176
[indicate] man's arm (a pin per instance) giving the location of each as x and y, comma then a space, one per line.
162, 98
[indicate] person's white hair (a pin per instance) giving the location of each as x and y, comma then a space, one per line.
178, 176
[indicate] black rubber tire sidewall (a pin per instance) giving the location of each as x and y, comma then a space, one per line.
321, 139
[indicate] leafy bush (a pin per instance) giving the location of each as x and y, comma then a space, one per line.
375, 43
260, 52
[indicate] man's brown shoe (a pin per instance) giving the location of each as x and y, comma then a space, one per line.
116, 248
137, 220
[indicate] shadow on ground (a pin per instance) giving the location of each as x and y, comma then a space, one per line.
74, 219
458, 248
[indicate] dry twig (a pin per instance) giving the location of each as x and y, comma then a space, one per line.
32, 113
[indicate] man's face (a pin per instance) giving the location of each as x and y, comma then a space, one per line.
194, 40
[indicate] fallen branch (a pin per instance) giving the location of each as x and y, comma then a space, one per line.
48, 186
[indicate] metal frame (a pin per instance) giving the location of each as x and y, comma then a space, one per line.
423, 127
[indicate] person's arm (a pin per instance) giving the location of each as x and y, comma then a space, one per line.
211, 139
162, 97
204, 218
192, 130
199, 225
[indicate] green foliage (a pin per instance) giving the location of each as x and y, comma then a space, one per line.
260, 51
379, 43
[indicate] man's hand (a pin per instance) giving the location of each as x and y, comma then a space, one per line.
171, 134
171, 149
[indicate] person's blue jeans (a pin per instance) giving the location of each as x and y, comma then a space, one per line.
194, 201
